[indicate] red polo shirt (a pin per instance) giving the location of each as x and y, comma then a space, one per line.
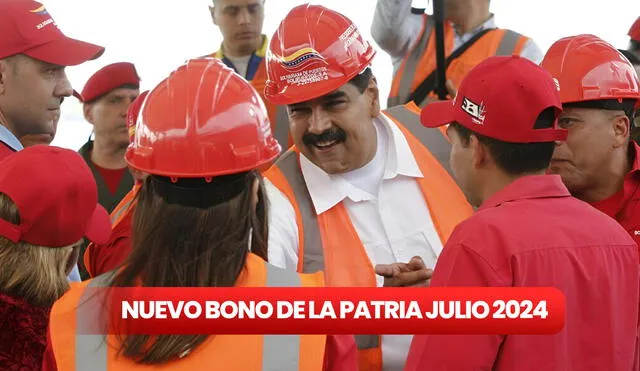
624, 206
533, 233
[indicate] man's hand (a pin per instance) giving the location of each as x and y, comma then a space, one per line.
414, 273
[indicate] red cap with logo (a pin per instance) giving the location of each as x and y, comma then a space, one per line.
56, 196
109, 78
26, 27
634, 31
501, 98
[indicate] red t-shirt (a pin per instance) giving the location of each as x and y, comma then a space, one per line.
5, 150
624, 206
103, 258
111, 177
533, 233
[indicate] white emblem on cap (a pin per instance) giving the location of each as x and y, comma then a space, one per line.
477, 111
557, 83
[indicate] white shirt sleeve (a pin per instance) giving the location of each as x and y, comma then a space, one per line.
283, 229
395, 29
532, 52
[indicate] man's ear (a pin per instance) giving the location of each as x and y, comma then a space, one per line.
373, 97
621, 130
88, 112
5, 69
212, 10
480, 152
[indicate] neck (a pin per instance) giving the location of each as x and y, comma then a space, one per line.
610, 182
107, 155
471, 20
497, 181
236, 53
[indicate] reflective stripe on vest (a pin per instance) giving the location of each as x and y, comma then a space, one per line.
289, 165
281, 127
279, 352
506, 47
120, 210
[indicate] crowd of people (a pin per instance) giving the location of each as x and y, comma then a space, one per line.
273, 162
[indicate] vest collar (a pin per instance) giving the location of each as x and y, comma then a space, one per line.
261, 52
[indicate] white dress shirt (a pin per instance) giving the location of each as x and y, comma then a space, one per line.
386, 207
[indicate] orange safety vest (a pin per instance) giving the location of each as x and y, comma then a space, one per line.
75, 351
420, 61
278, 115
117, 215
329, 241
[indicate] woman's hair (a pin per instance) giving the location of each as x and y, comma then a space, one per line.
37, 274
204, 244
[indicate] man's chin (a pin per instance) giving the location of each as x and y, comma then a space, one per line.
36, 139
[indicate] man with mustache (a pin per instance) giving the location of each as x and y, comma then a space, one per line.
106, 98
33, 56
362, 191
243, 50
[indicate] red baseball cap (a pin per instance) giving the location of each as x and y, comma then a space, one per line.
26, 27
56, 196
108, 78
501, 98
634, 31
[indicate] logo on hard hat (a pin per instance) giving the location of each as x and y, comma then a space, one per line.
477, 111
303, 59
557, 83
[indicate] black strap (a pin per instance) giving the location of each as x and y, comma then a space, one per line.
429, 83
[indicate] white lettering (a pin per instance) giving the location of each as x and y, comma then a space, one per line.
192, 310
130, 311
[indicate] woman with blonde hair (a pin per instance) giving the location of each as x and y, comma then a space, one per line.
48, 203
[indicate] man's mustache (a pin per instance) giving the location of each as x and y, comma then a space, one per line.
329, 135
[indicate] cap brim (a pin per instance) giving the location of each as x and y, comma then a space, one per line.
438, 114
65, 51
99, 227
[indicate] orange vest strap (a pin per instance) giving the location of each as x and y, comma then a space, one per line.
313, 256
433, 139
508, 43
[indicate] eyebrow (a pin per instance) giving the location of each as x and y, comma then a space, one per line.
334, 95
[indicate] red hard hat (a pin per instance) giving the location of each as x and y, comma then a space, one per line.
204, 120
588, 68
314, 51
132, 114
634, 31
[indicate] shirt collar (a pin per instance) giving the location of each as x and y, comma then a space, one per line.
7, 137
327, 190
528, 187
635, 151
488, 24
261, 52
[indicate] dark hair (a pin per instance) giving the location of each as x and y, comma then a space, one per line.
634, 45
187, 246
361, 80
516, 158
630, 56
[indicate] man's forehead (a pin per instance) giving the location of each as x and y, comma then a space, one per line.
233, 3
344, 90
124, 92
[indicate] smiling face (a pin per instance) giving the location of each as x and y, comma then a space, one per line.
31, 93
583, 160
335, 131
